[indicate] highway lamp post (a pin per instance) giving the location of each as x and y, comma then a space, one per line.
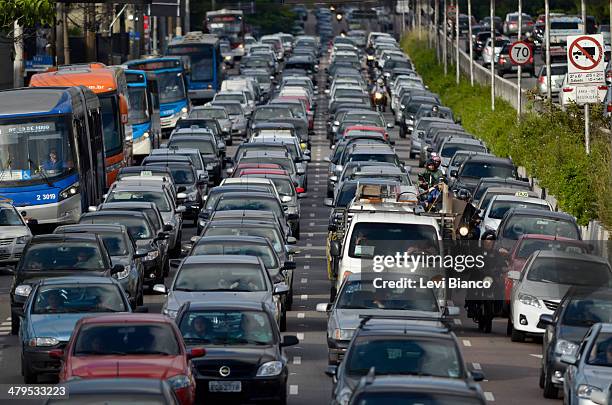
587, 124
492, 64
547, 39
419, 21
436, 29
445, 38
520, 67
457, 32
470, 43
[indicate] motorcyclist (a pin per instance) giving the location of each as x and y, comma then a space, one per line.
435, 112
432, 174
379, 87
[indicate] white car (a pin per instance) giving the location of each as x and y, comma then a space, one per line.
487, 52
500, 204
544, 281
14, 234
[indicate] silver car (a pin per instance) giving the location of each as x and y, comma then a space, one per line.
14, 234
556, 80
589, 371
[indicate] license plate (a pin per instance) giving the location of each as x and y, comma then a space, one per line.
224, 386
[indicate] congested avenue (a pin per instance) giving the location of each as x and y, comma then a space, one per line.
235, 256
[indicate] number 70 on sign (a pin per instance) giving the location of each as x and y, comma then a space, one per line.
521, 53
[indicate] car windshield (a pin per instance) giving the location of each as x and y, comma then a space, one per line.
205, 146
10, 217
211, 113
499, 208
404, 356
373, 157
265, 232
263, 114
35, 151
227, 328
232, 109
449, 149
78, 298
110, 399
375, 119
284, 186
559, 70
285, 163
219, 277
601, 353
157, 197
138, 112
238, 248
585, 312
413, 398
171, 87
482, 169
570, 272
182, 175
528, 246
125, 338
248, 203
519, 225
115, 243
138, 227
370, 239
230, 96
63, 256
347, 194
361, 294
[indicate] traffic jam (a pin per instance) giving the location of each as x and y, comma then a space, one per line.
295, 218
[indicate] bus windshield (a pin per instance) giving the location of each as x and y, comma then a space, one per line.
171, 87
199, 58
226, 26
34, 150
138, 113
110, 124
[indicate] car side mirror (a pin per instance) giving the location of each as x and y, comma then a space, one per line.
181, 196
140, 254
281, 289
331, 371
195, 352
513, 275
162, 236
117, 268
160, 288
175, 263
329, 202
390, 125
327, 159
123, 108
300, 170
167, 228
32, 221
324, 307
91, 208
451, 311
289, 340
477, 375
454, 173
545, 320
289, 265
180, 209
333, 179
228, 160
569, 359
291, 240
334, 248
293, 217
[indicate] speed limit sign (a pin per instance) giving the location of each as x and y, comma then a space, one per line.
520, 53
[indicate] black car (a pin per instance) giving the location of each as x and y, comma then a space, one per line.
121, 390
504, 64
478, 166
578, 311
487, 182
415, 390
156, 265
122, 250
60, 255
211, 153
244, 359
396, 346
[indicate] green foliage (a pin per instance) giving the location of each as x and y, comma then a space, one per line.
270, 17
549, 143
26, 12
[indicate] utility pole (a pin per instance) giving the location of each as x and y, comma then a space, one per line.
179, 31
445, 39
187, 16
59, 35
419, 14
587, 124
492, 55
520, 67
547, 34
18, 55
436, 30
469, 42
457, 33
65, 34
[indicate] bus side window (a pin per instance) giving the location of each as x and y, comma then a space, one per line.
97, 148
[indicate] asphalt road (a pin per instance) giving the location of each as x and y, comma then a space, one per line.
511, 369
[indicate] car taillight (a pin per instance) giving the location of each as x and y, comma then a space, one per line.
568, 89
530, 59
609, 108
502, 60
609, 74
542, 79
602, 88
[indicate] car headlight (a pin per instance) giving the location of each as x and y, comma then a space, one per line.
529, 300
370, 57
123, 274
179, 381
170, 312
69, 191
43, 342
464, 230
146, 134
488, 280
227, 58
378, 96
270, 369
22, 240
184, 110
24, 290
584, 391
152, 255
564, 347
343, 334
192, 196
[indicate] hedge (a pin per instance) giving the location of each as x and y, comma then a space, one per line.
548, 143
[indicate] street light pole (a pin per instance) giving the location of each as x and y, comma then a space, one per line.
547, 34
469, 42
445, 39
519, 107
492, 15
587, 123
457, 32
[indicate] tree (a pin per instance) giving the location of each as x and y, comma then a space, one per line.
27, 13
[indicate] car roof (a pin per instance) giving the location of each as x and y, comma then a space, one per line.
540, 213
232, 238
514, 198
130, 204
221, 259
237, 304
127, 318
77, 280
123, 385
488, 158
422, 384
64, 237
109, 213
557, 254
75, 228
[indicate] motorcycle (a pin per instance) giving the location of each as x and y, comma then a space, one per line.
431, 198
379, 99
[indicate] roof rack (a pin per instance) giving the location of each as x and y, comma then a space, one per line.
366, 318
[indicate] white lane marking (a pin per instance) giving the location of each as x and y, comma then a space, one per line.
477, 366
312, 224
5, 323
312, 214
467, 343
306, 256
306, 267
293, 390
304, 280
309, 245
489, 396
300, 336
304, 297
301, 315
457, 321
314, 205
4, 328
310, 235
537, 356
297, 360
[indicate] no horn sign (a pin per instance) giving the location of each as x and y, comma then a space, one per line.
585, 59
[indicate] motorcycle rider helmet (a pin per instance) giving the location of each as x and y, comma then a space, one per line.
435, 109
430, 162
379, 82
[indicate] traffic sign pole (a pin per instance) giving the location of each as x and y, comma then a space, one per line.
519, 109
587, 132
492, 26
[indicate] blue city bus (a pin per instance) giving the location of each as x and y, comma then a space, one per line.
201, 54
144, 117
173, 99
51, 152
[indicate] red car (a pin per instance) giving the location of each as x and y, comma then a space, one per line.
130, 346
364, 129
242, 166
529, 243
